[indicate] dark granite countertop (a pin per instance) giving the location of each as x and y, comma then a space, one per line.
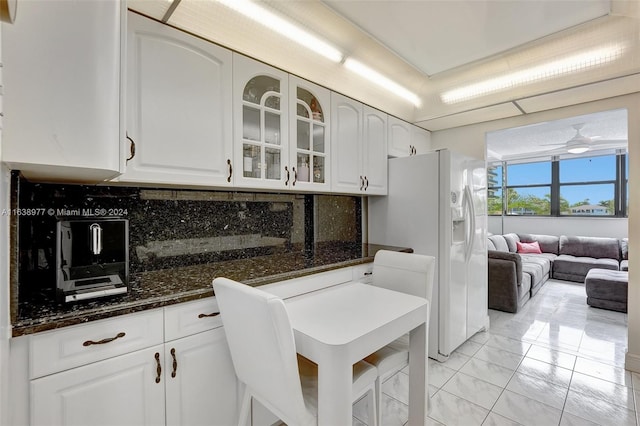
165, 287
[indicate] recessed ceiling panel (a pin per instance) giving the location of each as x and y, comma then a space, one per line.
438, 35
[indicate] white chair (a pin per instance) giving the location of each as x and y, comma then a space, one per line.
264, 357
408, 273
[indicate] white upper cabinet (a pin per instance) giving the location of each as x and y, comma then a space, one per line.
179, 120
309, 128
420, 140
400, 138
359, 147
62, 90
405, 139
261, 126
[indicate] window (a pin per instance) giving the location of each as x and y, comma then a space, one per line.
586, 186
528, 188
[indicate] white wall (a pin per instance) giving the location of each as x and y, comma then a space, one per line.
471, 140
574, 226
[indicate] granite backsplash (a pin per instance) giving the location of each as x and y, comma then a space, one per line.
173, 228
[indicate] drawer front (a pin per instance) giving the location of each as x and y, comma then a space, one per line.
70, 347
189, 318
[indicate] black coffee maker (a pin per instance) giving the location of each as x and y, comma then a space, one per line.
92, 258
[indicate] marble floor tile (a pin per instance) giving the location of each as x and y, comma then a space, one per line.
526, 411
487, 371
394, 412
456, 360
469, 348
603, 390
397, 387
508, 344
494, 419
548, 372
538, 389
481, 337
430, 422
357, 422
571, 420
635, 381
598, 411
451, 410
498, 356
551, 356
561, 336
473, 389
603, 371
439, 374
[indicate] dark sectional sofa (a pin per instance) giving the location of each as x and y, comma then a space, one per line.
516, 277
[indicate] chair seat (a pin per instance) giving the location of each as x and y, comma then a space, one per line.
364, 374
391, 358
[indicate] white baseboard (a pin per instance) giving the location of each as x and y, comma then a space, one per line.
632, 362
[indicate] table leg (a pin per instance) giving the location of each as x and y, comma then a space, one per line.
418, 381
335, 390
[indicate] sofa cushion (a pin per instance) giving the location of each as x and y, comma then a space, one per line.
535, 271
513, 257
595, 247
490, 245
542, 261
533, 247
624, 265
624, 249
607, 289
574, 268
512, 239
549, 256
548, 243
499, 242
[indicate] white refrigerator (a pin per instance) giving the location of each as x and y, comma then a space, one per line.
437, 205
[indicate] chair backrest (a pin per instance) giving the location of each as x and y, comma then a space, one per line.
262, 348
405, 272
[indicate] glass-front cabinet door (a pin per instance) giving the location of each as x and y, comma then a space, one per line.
261, 149
309, 135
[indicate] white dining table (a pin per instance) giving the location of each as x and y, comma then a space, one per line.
341, 325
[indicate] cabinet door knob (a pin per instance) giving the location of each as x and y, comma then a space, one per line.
286, 169
295, 176
132, 148
230, 170
103, 341
158, 367
175, 362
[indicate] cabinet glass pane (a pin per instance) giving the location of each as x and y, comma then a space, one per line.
303, 167
272, 128
318, 169
273, 102
308, 99
318, 138
302, 111
303, 137
251, 161
250, 123
258, 86
272, 157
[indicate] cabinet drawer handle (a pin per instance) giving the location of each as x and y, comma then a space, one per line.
132, 149
366, 183
361, 183
175, 362
230, 170
295, 176
158, 367
368, 273
213, 314
286, 169
103, 341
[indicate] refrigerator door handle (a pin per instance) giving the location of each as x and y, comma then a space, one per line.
470, 223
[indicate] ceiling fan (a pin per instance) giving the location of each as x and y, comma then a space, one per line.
580, 143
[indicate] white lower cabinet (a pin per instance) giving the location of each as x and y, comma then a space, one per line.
188, 380
118, 391
201, 385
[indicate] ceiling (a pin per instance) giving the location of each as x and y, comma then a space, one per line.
607, 131
434, 46
439, 35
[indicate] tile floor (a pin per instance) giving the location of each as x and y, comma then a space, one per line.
556, 362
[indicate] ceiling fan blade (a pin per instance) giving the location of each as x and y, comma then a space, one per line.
610, 141
553, 144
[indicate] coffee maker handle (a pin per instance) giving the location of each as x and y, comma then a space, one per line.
96, 239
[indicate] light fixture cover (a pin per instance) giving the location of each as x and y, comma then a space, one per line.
382, 81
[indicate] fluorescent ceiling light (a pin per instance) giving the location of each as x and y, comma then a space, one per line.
568, 65
382, 81
284, 27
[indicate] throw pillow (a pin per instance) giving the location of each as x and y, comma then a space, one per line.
533, 247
